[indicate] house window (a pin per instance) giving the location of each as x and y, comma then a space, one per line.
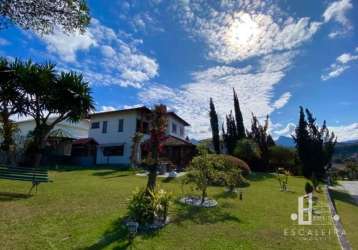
113, 151
174, 128
181, 131
142, 127
95, 125
104, 127
120, 125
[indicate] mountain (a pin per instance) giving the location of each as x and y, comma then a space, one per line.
347, 149
285, 141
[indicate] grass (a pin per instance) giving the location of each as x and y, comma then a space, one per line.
83, 209
347, 209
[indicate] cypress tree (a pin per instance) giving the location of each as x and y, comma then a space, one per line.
214, 127
230, 137
260, 135
315, 146
239, 120
301, 139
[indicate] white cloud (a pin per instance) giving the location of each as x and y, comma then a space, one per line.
337, 11
132, 106
107, 108
254, 88
66, 45
4, 42
108, 51
341, 65
346, 57
245, 30
122, 62
286, 131
345, 133
334, 71
282, 101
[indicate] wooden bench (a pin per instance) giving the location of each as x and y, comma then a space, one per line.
35, 175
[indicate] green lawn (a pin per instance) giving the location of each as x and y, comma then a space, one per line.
83, 209
348, 211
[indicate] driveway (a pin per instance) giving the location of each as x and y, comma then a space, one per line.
352, 188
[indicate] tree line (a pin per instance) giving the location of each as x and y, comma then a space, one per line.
44, 94
311, 156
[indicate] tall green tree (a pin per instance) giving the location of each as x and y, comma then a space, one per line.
44, 16
11, 103
51, 98
239, 120
214, 122
259, 133
315, 146
230, 135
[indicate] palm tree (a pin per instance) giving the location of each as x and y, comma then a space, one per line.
52, 98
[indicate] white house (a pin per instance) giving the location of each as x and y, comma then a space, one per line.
114, 130
67, 130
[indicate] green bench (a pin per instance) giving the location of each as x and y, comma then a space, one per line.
35, 175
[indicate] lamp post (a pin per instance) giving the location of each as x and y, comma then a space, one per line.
132, 229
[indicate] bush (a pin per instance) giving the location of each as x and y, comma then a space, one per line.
231, 162
352, 169
308, 188
203, 149
247, 150
146, 206
281, 157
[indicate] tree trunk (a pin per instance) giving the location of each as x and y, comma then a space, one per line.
40, 142
152, 178
7, 136
203, 196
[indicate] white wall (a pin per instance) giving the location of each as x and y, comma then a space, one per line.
113, 137
173, 120
74, 130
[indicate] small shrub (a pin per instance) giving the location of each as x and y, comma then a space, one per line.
233, 179
308, 188
352, 170
200, 172
282, 177
342, 173
146, 206
141, 207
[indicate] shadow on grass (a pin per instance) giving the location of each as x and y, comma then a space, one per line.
260, 176
226, 194
168, 179
201, 215
6, 196
343, 197
117, 233
67, 168
111, 173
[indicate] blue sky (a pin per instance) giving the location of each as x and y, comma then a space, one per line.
276, 54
